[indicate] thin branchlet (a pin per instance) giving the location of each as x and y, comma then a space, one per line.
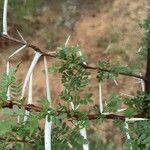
53, 55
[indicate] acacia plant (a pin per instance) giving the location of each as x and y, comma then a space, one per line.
66, 124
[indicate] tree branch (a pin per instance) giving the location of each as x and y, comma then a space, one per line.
146, 109
147, 75
32, 107
37, 49
121, 73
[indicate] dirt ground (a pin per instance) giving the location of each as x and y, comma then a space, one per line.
103, 28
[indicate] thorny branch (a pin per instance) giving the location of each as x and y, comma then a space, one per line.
35, 48
32, 107
52, 54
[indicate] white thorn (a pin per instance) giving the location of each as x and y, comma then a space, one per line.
83, 133
7, 72
69, 145
126, 94
115, 81
47, 134
47, 80
142, 84
120, 110
127, 133
48, 125
77, 107
30, 70
135, 119
80, 53
100, 98
139, 50
29, 98
21, 36
17, 51
5, 17
106, 113
66, 43
72, 105
30, 90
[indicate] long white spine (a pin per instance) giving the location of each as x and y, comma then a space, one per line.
84, 134
127, 133
5, 17
21, 36
48, 125
36, 58
17, 51
66, 43
29, 97
100, 98
8, 90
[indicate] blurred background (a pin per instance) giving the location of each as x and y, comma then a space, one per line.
105, 29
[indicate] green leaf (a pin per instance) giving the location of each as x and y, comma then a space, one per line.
113, 103
129, 112
54, 68
5, 127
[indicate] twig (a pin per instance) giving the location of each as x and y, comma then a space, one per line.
52, 54
35, 48
121, 73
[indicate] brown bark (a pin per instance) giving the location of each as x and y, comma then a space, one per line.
146, 109
32, 107
147, 75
